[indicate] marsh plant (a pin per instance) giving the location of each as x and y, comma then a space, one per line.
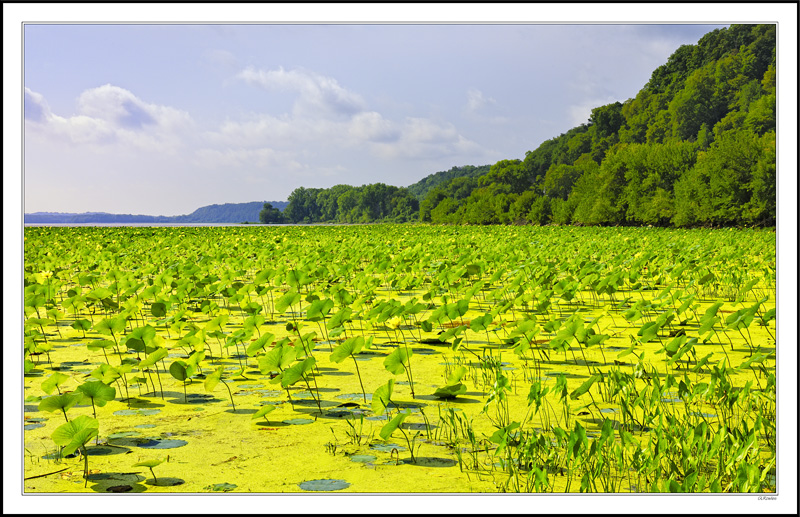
638, 359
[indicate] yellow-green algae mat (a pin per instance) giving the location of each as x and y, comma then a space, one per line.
194, 441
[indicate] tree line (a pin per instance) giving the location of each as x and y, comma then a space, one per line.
375, 202
695, 147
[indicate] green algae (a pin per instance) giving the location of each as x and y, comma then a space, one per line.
260, 457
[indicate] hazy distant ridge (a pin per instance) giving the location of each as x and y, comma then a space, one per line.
224, 213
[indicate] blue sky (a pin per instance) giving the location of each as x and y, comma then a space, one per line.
181, 116
162, 118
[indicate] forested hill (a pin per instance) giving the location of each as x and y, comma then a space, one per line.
421, 188
225, 213
228, 213
695, 147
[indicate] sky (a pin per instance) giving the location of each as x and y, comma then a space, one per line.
162, 119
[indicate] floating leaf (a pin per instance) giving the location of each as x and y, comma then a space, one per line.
298, 421
163, 444
220, 487
363, 458
324, 485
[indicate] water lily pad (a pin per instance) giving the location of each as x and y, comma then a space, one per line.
363, 458
354, 396
386, 447
57, 455
31, 408
416, 426
220, 487
298, 421
137, 412
123, 434
199, 398
324, 485
165, 482
303, 395
144, 426
119, 488
163, 444
101, 451
30, 427
269, 393
435, 462
339, 413
424, 351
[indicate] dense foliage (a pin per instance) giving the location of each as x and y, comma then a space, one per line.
347, 204
545, 359
421, 188
695, 147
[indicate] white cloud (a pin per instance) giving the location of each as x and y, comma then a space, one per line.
317, 93
36, 108
482, 109
326, 117
108, 115
263, 158
476, 100
372, 127
423, 138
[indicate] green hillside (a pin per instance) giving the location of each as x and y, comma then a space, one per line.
421, 188
695, 147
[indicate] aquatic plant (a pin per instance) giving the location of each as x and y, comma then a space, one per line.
150, 464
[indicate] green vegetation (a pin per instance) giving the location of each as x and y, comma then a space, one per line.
346, 204
695, 147
421, 188
558, 359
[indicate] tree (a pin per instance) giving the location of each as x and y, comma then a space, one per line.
270, 215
